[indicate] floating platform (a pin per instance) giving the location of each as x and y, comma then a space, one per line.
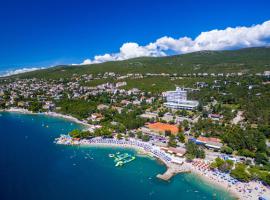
121, 159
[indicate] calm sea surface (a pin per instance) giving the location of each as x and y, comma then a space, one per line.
33, 167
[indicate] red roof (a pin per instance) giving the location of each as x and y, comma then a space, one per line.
161, 127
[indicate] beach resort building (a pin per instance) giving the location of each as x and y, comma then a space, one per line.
209, 142
178, 100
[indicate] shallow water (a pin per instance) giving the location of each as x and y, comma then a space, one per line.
33, 167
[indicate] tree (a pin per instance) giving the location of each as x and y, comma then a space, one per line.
261, 158
85, 134
185, 124
181, 137
195, 150
172, 142
200, 153
139, 135
266, 179
35, 106
247, 142
240, 173
189, 157
222, 165
265, 130
131, 134
75, 133
104, 131
145, 138
119, 136
226, 149
246, 153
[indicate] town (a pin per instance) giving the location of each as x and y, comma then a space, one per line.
201, 118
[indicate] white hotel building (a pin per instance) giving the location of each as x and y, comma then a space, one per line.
178, 100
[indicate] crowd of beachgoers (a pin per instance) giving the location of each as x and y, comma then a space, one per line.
243, 190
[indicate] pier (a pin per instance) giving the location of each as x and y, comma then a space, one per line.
173, 170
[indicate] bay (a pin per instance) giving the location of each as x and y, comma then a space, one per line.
34, 167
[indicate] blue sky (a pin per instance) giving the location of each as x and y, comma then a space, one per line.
50, 32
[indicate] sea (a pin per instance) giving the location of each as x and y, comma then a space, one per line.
33, 167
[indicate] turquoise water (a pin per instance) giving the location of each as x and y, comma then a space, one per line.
33, 167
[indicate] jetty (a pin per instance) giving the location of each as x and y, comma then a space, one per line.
173, 170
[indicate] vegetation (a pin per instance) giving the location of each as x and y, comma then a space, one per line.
194, 151
222, 165
145, 138
251, 59
226, 149
127, 119
240, 173
259, 173
102, 132
77, 108
181, 137
172, 141
246, 142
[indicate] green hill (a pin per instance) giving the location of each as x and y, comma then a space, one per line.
244, 60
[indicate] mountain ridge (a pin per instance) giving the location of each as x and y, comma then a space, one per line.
252, 60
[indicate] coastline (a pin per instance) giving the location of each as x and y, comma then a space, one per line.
206, 176
176, 169
51, 114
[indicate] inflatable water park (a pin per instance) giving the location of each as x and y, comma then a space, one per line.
122, 159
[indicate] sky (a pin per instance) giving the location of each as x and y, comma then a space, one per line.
44, 33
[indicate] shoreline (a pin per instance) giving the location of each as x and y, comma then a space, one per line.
50, 114
176, 169
206, 176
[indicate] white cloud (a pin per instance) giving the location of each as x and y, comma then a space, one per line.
19, 71
127, 50
87, 61
229, 38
